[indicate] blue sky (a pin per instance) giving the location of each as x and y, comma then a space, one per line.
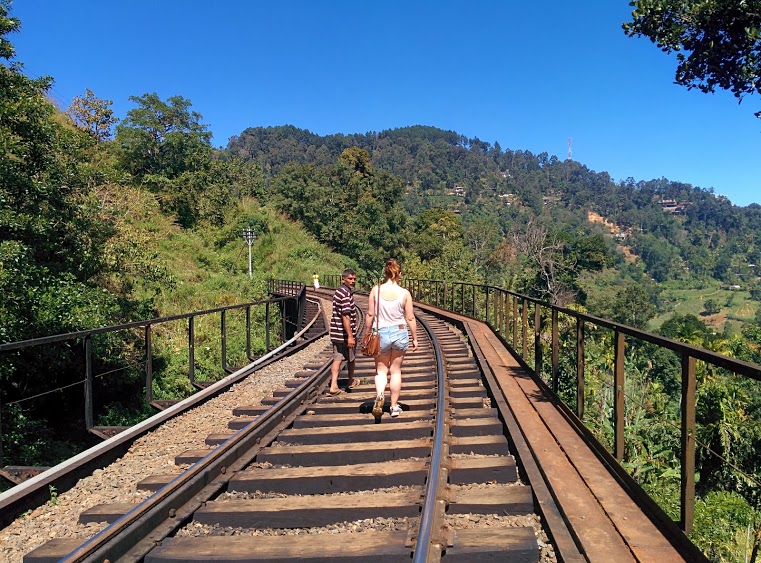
528, 75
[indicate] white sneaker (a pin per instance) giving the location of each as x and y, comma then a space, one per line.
396, 410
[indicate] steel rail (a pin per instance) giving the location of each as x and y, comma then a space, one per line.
425, 542
134, 534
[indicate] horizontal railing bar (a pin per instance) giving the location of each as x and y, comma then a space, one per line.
741, 367
135, 324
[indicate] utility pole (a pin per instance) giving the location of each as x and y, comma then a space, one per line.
249, 235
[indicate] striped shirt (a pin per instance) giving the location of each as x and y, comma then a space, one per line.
343, 304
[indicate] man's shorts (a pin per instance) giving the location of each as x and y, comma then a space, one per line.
343, 352
395, 337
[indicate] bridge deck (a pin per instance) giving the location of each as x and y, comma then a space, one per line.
591, 515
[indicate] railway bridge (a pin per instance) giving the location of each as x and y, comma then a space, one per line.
492, 458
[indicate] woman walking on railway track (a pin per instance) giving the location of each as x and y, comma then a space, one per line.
393, 306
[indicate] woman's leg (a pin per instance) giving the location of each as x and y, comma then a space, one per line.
395, 370
381, 378
382, 362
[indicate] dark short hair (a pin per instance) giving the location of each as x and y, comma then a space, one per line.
348, 272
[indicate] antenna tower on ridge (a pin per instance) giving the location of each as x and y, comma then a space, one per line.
570, 141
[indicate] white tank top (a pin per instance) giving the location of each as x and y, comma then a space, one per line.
391, 311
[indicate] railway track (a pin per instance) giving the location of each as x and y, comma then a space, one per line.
307, 476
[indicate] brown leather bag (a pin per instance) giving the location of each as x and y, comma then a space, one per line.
370, 344
371, 341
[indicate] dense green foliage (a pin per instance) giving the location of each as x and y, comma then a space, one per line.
718, 42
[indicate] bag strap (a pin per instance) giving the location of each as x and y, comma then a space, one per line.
377, 307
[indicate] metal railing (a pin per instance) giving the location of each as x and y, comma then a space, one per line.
147, 328
531, 328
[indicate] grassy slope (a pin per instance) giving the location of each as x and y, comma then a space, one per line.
204, 268
209, 266
736, 306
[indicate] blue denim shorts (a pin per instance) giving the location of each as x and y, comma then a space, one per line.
395, 337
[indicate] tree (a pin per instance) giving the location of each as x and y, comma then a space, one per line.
163, 138
48, 236
711, 307
350, 206
164, 145
718, 42
92, 115
633, 305
687, 328
433, 230
543, 252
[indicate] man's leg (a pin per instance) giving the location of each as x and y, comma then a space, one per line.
334, 369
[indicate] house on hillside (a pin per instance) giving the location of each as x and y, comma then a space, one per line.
673, 207
507, 199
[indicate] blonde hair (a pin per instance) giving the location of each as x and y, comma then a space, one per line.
392, 270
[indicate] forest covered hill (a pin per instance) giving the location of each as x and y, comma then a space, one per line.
464, 190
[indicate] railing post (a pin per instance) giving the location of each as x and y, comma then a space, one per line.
537, 340
248, 331
191, 350
148, 365
502, 299
473, 301
555, 350
618, 402
497, 312
88, 383
486, 305
284, 327
515, 322
580, 368
495, 309
688, 443
524, 328
267, 326
223, 328
462, 298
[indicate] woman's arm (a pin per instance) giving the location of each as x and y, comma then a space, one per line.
409, 314
370, 310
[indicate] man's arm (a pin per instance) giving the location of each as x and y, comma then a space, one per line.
346, 319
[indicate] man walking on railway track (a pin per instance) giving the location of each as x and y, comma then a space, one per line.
343, 330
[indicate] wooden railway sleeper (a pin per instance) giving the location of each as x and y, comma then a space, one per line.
441, 535
119, 539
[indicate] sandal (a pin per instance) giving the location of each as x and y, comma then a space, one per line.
354, 383
335, 393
